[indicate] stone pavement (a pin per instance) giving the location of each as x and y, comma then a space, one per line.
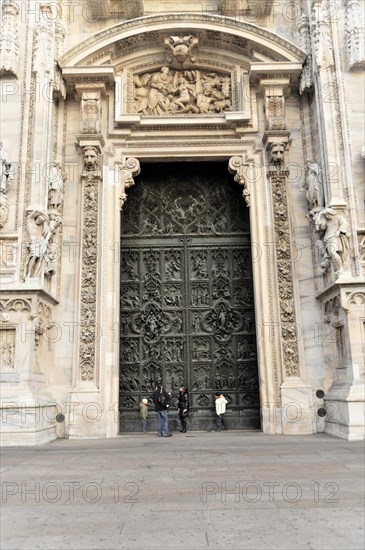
200, 490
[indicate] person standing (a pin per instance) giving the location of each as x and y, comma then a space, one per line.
220, 409
143, 413
161, 400
183, 407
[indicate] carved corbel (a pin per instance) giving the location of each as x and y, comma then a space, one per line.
274, 92
237, 166
128, 170
90, 95
9, 43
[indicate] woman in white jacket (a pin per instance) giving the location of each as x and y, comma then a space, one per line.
220, 409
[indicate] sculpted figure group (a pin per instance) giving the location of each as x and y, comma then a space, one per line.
181, 92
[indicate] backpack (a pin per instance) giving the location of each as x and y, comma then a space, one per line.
163, 400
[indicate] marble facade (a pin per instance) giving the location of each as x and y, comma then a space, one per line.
90, 91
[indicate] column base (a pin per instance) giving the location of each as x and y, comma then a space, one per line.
27, 423
345, 405
85, 417
297, 407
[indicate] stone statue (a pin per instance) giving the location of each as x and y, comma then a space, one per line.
335, 239
6, 174
39, 234
6, 178
313, 185
56, 186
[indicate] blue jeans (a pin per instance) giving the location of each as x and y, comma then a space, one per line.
162, 422
143, 425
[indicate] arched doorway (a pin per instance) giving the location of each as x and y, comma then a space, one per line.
187, 306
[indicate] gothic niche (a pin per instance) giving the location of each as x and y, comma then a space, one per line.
181, 91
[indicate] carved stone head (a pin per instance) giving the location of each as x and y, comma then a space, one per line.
91, 158
277, 152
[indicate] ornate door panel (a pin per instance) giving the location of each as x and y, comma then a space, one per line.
187, 311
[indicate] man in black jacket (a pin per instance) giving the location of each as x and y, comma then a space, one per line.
161, 400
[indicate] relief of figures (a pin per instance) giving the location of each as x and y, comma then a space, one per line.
179, 92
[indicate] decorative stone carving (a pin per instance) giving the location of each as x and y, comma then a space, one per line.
42, 53
56, 187
6, 177
181, 49
90, 178
274, 92
129, 169
42, 255
39, 234
7, 349
90, 112
354, 33
179, 92
237, 166
277, 156
335, 239
306, 78
9, 43
321, 32
313, 185
289, 337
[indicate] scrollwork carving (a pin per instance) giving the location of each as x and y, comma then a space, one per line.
237, 166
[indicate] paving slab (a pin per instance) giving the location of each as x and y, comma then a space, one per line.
231, 490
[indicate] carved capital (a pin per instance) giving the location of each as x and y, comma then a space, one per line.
237, 166
128, 169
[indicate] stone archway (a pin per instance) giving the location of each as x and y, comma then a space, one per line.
101, 71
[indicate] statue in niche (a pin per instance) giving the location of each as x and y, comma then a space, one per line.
335, 239
6, 174
179, 92
313, 185
56, 187
39, 234
6, 178
43, 254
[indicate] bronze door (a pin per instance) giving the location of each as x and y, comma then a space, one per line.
187, 307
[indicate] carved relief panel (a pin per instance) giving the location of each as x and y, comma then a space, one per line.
187, 311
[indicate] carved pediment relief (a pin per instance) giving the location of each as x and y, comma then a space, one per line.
181, 91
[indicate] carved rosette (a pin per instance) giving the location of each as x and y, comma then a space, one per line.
289, 336
90, 179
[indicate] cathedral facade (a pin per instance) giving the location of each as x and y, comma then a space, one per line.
182, 202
